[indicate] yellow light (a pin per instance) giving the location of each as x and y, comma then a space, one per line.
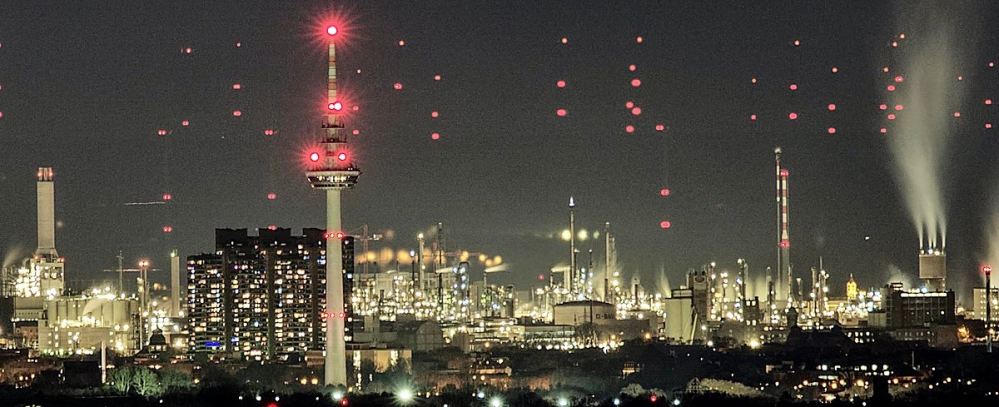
566, 235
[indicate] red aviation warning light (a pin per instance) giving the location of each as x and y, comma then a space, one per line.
783, 173
331, 30
341, 156
337, 235
987, 270
314, 157
337, 106
784, 244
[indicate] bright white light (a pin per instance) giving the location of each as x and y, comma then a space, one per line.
337, 395
617, 401
406, 395
496, 402
564, 402
676, 402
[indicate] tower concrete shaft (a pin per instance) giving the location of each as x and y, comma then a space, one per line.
332, 170
46, 214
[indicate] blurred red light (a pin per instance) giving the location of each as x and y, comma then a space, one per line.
797, 43
161, 132
891, 116
356, 132
638, 39
541, 277
794, 86
752, 80
271, 227
434, 114
167, 197
664, 192
987, 269
272, 196
636, 111
237, 86
397, 86
342, 156
899, 78
636, 82
167, 229
331, 30
891, 88
565, 40
784, 244
237, 113
653, 398
629, 104
435, 136
883, 106
793, 116
660, 127
960, 78
832, 130
898, 107
988, 125
402, 43
343, 402
784, 173
629, 128
632, 68
337, 106
665, 224
314, 157
832, 106
835, 69
268, 132
957, 114
561, 112
339, 235
884, 130
437, 77
988, 101
752, 117
560, 83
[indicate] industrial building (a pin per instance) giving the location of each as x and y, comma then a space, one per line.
261, 297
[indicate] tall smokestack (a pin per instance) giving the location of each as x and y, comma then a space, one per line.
785, 243
175, 282
46, 214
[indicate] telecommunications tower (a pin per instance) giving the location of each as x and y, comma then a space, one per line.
331, 169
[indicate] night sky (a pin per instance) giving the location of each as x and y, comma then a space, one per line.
85, 87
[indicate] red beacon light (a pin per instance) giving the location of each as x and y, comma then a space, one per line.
331, 30
987, 270
342, 156
314, 157
337, 106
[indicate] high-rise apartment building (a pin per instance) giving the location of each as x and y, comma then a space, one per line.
262, 297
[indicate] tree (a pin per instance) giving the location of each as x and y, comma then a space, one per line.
175, 380
120, 378
146, 383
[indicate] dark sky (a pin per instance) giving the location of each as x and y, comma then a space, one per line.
85, 86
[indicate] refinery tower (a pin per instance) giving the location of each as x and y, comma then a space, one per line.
331, 168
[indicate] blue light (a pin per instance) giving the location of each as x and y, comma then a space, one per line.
212, 344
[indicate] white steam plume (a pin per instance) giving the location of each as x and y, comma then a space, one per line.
928, 95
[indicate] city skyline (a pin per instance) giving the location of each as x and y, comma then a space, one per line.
505, 163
